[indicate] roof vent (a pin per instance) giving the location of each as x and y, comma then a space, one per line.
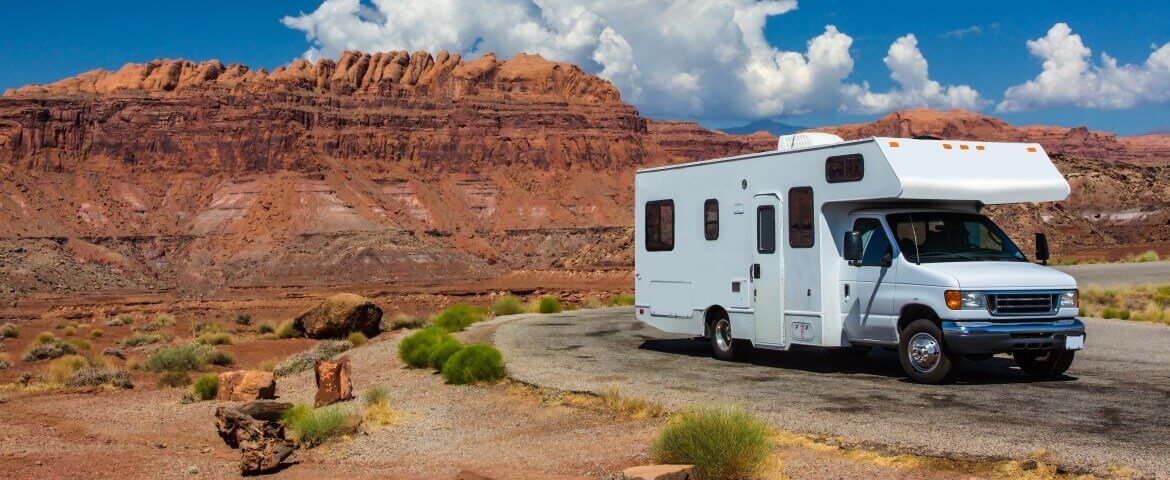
798, 141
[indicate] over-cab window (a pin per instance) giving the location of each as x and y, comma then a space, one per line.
660, 225
711, 219
844, 168
800, 217
766, 229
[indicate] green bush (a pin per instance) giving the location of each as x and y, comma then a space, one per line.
299, 362
218, 357
621, 300
215, 338
288, 329
508, 305
475, 364
549, 305
179, 358
47, 347
174, 379
9, 330
415, 350
98, 376
142, 339
357, 339
243, 318
458, 317
96, 333
1119, 313
206, 387
442, 352
721, 442
313, 426
376, 395
121, 319
266, 327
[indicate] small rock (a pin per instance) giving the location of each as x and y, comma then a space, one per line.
333, 381
470, 475
246, 386
660, 472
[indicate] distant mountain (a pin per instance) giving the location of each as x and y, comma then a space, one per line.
1159, 131
765, 125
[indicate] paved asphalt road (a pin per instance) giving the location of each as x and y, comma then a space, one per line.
1119, 273
1113, 405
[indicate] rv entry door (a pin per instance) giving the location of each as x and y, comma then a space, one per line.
768, 271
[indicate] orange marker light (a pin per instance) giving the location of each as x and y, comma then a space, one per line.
954, 299
947, 146
964, 147
894, 144
1032, 149
979, 147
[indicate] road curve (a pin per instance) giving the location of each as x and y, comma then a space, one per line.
1111, 408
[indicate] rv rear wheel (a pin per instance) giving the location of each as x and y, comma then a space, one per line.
726, 347
1049, 364
923, 354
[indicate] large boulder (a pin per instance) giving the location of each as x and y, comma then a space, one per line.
255, 429
333, 382
246, 386
339, 315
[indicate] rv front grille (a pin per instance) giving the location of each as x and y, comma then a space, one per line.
1023, 303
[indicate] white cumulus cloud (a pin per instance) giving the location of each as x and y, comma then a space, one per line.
1070, 78
690, 58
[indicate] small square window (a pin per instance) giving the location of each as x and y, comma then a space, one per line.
844, 168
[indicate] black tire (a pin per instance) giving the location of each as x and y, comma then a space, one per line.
928, 361
725, 347
1048, 364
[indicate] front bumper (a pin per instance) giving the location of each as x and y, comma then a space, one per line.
992, 337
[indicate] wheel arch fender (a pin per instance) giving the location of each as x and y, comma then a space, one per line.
710, 315
915, 311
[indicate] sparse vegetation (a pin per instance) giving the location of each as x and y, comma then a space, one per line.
265, 328
313, 426
215, 338
415, 350
215, 356
243, 318
357, 339
186, 357
401, 321
62, 369
96, 333
302, 361
98, 376
206, 387
288, 329
475, 364
5, 360
47, 347
139, 339
120, 320
440, 353
721, 442
374, 395
508, 305
379, 413
549, 305
621, 300
161, 321
1142, 303
9, 330
592, 302
458, 317
69, 331
80, 344
635, 408
1146, 256
174, 379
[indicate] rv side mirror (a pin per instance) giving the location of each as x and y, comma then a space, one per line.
1042, 248
852, 246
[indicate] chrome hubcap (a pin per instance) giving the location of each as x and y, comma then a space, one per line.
924, 352
723, 334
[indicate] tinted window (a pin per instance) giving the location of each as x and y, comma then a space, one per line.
766, 229
874, 241
800, 217
844, 168
711, 219
660, 225
929, 237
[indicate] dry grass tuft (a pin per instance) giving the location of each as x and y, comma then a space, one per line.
1146, 303
630, 407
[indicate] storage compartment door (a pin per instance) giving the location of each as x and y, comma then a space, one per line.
672, 299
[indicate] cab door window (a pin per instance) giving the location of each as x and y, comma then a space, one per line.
875, 243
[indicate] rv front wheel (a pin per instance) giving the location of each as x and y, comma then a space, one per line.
726, 347
923, 354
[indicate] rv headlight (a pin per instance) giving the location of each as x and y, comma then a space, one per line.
961, 300
1070, 298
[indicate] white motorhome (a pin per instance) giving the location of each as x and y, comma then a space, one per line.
853, 245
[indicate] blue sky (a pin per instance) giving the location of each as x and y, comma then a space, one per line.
42, 42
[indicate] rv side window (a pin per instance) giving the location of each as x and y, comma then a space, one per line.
766, 229
800, 217
660, 225
874, 242
711, 219
844, 168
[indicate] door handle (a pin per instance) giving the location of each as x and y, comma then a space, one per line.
756, 270
846, 291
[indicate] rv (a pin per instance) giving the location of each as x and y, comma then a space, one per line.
854, 245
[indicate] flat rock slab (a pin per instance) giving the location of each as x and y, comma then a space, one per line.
661, 472
246, 386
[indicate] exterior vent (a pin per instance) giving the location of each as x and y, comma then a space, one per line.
798, 141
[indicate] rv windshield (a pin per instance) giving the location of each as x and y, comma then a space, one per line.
931, 237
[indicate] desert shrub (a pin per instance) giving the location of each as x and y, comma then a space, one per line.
80, 344
139, 339
96, 333
243, 318
179, 358
635, 408
401, 321
5, 360
215, 338
162, 320
507, 305
1109, 312
174, 379
375, 395
69, 331
199, 328
549, 305
299, 362
415, 350
206, 387
9, 330
721, 442
120, 320
457, 317
621, 300
62, 369
1146, 256
265, 328
1153, 312
357, 339
474, 364
379, 412
215, 356
288, 329
97, 376
313, 426
442, 352
592, 302
47, 347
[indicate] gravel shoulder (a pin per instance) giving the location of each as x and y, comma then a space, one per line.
1109, 410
